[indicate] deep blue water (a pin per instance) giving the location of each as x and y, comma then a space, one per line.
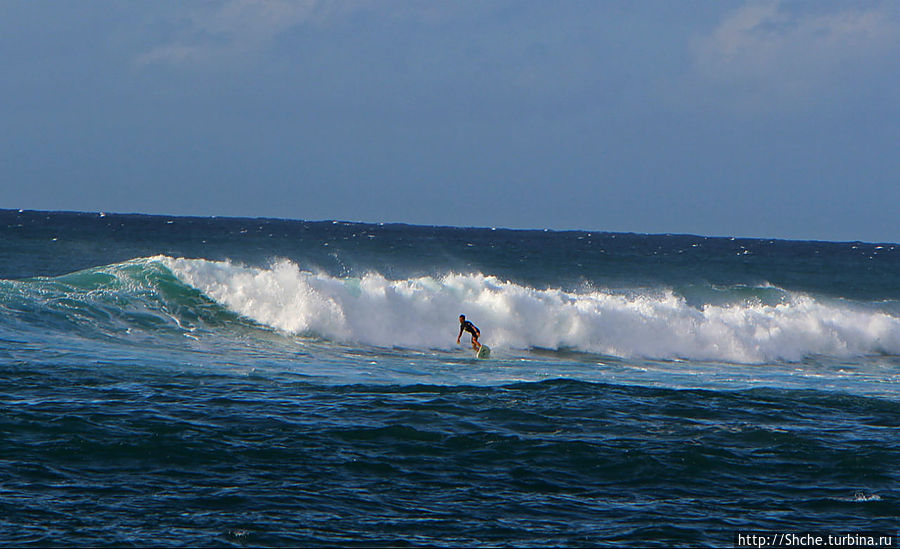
202, 381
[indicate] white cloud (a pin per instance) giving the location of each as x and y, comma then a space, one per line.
764, 54
235, 28
229, 30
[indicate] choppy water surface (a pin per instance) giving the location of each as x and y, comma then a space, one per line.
197, 381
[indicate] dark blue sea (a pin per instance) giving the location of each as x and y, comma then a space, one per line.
172, 381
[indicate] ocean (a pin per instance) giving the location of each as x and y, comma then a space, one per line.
172, 381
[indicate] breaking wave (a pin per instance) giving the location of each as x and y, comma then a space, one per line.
421, 313
177, 296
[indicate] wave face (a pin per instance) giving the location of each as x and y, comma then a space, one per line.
118, 301
755, 325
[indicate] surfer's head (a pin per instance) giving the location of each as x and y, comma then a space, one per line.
462, 318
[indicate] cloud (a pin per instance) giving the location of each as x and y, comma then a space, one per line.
233, 29
764, 54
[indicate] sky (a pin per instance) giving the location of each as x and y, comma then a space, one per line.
721, 118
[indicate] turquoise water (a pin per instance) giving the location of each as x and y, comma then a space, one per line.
202, 381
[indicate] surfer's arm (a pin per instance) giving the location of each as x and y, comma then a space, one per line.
460, 334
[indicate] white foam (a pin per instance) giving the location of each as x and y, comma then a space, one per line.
421, 313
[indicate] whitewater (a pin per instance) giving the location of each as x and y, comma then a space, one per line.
418, 313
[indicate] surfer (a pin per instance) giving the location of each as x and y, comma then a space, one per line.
466, 326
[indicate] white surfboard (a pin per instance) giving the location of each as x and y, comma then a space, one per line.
483, 352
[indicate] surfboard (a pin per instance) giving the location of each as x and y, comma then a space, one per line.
483, 352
